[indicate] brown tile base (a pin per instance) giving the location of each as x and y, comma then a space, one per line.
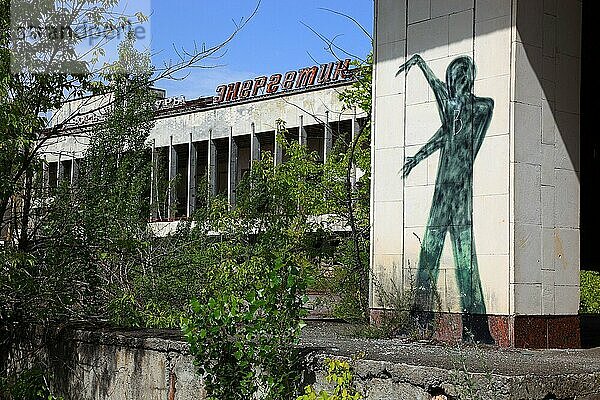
522, 331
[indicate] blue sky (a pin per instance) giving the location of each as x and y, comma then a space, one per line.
275, 40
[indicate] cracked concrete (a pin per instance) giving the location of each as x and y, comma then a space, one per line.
156, 364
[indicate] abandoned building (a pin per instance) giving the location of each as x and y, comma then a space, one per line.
211, 142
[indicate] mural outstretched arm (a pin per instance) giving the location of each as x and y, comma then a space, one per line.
438, 87
429, 148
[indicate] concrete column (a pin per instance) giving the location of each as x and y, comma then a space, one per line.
172, 174
302, 132
191, 197
328, 138
153, 188
212, 166
74, 170
232, 168
510, 269
254, 146
45, 176
355, 131
278, 156
60, 170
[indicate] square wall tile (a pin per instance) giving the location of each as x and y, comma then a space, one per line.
391, 21
528, 71
568, 82
548, 157
494, 275
490, 9
492, 47
548, 293
490, 171
498, 89
422, 122
460, 34
528, 254
567, 198
530, 15
567, 248
566, 300
389, 57
418, 10
389, 121
549, 71
549, 39
418, 175
413, 237
548, 123
417, 87
569, 27
527, 194
568, 145
417, 203
433, 162
548, 249
429, 38
528, 299
388, 183
387, 227
386, 277
548, 206
490, 224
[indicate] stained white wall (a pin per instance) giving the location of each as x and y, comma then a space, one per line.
313, 106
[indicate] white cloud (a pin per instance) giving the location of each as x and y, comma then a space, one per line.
203, 82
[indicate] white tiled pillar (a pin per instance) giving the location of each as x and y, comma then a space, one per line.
153, 188
212, 166
172, 174
191, 177
302, 132
278, 156
526, 174
254, 145
232, 168
328, 137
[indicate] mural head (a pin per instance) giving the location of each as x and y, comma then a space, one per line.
460, 76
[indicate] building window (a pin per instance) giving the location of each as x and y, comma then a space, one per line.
52, 175
181, 179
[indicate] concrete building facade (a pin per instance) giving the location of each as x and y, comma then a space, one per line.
475, 169
211, 143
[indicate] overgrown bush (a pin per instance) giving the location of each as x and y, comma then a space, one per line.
243, 344
339, 374
590, 292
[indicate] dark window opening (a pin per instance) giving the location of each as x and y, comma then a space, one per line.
222, 166
315, 140
181, 179
243, 157
52, 175
267, 143
291, 137
65, 173
161, 182
201, 173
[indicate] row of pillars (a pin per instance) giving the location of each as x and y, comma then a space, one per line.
232, 163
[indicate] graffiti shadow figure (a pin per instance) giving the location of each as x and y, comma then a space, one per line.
465, 119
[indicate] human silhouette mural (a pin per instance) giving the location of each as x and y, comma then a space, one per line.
465, 119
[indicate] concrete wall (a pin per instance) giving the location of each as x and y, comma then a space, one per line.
152, 364
525, 176
316, 107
